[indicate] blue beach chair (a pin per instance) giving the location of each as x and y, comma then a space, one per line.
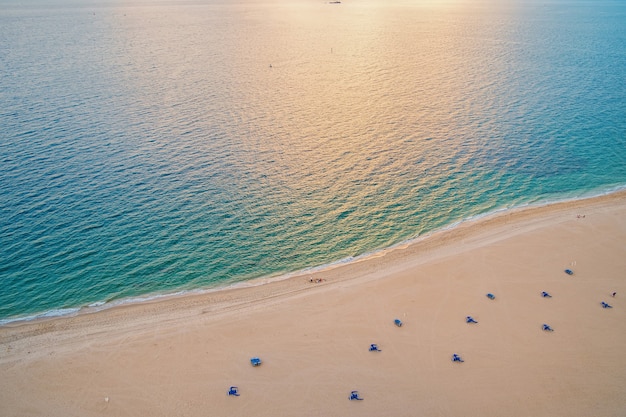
547, 328
354, 395
457, 358
255, 361
234, 391
398, 322
470, 319
569, 272
605, 305
374, 348
545, 295
491, 296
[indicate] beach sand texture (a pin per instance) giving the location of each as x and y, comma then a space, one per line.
179, 356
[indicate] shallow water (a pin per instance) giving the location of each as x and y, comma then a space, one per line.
152, 148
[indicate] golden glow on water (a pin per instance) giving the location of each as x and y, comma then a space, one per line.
337, 81
329, 108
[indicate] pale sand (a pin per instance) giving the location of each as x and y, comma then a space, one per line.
178, 357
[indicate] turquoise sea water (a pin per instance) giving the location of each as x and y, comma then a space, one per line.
154, 147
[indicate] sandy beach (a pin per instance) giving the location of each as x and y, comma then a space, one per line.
179, 356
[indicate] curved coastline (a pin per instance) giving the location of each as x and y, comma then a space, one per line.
98, 306
181, 353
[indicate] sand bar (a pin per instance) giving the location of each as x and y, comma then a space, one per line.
179, 356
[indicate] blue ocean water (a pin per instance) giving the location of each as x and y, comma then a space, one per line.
153, 147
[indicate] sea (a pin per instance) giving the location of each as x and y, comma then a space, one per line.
159, 147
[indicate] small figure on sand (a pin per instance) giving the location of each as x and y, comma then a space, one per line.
547, 328
605, 305
354, 395
457, 358
613, 295
470, 319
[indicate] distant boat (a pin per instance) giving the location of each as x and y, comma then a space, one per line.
334, 2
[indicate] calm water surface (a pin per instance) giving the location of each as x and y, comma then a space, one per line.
154, 147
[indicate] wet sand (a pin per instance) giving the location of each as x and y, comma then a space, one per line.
179, 356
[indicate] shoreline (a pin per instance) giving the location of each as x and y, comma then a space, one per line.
100, 306
178, 356
298, 281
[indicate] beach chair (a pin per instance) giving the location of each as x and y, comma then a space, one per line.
569, 272
398, 322
374, 348
255, 361
354, 395
547, 328
457, 358
605, 305
545, 295
470, 319
234, 391
491, 296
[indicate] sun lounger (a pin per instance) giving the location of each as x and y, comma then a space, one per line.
569, 272
233, 391
374, 348
547, 328
457, 358
491, 296
545, 294
470, 319
354, 395
255, 361
605, 305
397, 322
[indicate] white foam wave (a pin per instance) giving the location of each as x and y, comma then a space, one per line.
62, 312
102, 305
